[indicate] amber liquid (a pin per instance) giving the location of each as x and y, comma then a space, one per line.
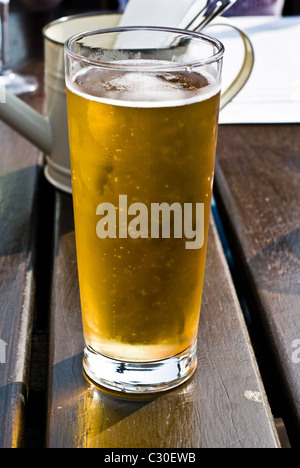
140, 297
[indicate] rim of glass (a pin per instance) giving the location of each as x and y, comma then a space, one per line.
128, 66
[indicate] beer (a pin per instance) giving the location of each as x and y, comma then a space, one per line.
152, 138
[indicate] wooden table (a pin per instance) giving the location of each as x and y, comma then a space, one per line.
246, 381
257, 186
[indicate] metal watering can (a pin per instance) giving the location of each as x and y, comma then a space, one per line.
50, 133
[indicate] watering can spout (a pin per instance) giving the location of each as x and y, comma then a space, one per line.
25, 120
50, 134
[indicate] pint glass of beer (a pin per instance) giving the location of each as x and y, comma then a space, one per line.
143, 106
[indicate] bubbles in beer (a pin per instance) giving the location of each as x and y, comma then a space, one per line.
149, 136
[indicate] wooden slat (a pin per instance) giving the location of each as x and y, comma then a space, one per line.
224, 405
20, 170
258, 182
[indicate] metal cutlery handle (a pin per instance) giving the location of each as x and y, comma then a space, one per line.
220, 7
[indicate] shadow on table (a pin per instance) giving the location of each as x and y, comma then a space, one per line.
17, 191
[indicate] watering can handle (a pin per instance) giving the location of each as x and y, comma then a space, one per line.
246, 68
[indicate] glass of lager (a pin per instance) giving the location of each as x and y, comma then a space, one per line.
143, 108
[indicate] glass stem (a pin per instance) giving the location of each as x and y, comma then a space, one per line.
4, 7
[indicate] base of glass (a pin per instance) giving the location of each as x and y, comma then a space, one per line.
18, 84
139, 377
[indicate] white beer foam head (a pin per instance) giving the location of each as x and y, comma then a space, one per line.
133, 89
